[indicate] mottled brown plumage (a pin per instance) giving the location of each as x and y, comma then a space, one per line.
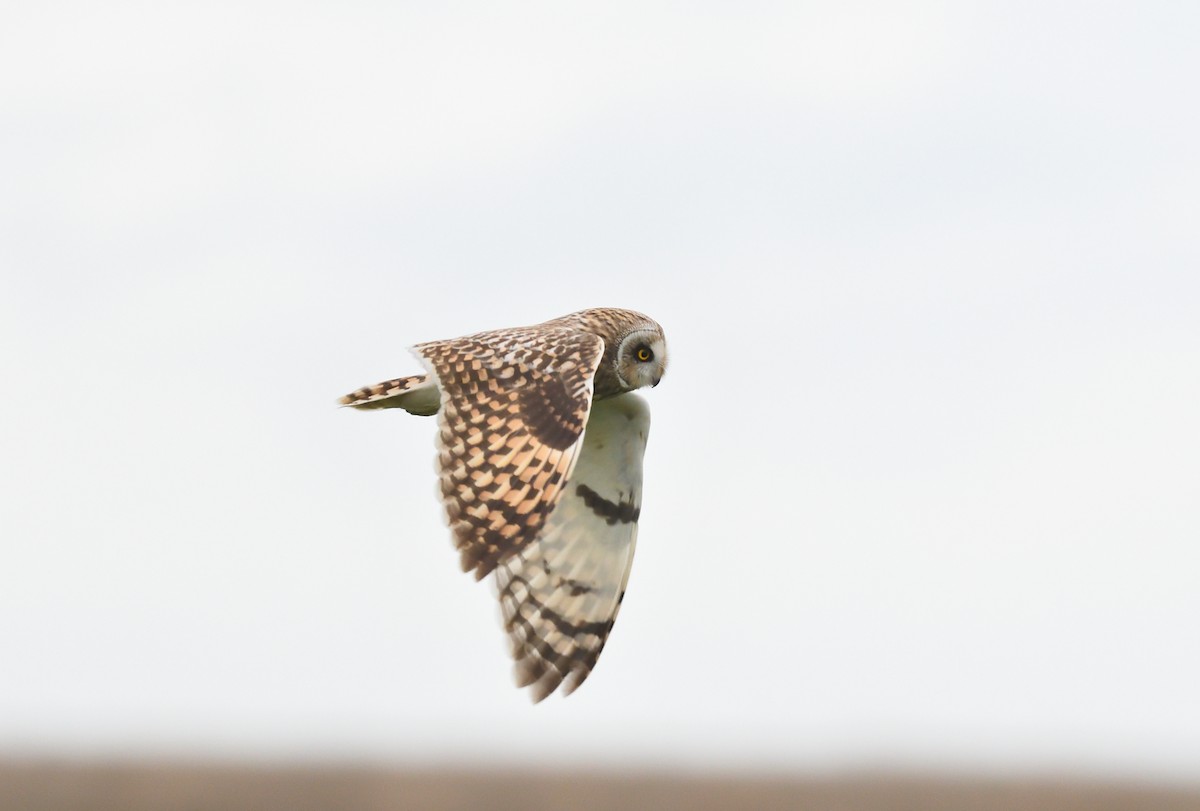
385, 394
513, 408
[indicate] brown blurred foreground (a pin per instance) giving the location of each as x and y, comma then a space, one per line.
66, 787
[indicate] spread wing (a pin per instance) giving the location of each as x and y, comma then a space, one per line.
514, 404
560, 594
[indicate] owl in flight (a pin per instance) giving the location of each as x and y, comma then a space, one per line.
539, 460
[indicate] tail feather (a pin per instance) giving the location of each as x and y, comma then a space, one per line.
416, 394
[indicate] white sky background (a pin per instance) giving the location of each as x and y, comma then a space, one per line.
922, 488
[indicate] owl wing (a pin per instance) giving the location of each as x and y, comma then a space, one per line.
415, 394
514, 404
560, 594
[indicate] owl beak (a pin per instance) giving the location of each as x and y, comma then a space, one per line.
657, 379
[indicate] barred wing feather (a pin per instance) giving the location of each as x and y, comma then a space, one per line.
560, 594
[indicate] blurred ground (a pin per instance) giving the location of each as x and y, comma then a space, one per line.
65, 787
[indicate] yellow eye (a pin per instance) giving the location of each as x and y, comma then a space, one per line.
644, 354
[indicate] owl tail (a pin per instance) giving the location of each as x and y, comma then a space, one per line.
416, 395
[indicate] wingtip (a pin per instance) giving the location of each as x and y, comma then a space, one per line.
355, 397
544, 686
538, 675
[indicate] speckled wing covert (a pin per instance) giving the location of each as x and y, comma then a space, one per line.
560, 594
514, 404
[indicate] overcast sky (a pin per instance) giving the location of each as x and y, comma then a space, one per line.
922, 485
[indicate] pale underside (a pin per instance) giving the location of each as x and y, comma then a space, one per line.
559, 596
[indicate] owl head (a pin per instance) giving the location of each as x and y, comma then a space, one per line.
641, 357
635, 351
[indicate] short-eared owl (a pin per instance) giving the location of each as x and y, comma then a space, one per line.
540, 446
